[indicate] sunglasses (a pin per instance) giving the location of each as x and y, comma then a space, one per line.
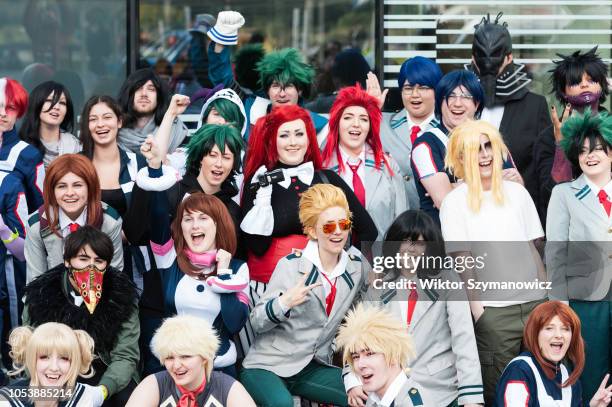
343, 224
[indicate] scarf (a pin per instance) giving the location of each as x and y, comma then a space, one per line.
132, 139
188, 398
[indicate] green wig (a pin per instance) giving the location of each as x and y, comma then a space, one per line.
228, 110
206, 137
585, 126
285, 67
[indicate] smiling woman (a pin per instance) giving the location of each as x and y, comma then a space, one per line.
194, 257
72, 200
538, 377
53, 355
187, 347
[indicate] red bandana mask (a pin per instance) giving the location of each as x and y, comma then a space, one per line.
89, 283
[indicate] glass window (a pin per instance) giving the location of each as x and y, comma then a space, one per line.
540, 29
81, 44
318, 28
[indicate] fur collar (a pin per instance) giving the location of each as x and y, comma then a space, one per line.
48, 298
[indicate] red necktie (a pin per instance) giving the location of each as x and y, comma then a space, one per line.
73, 227
414, 132
412, 300
331, 297
358, 187
603, 199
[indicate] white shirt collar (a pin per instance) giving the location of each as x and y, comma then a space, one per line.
595, 189
311, 252
345, 156
65, 221
424, 124
392, 391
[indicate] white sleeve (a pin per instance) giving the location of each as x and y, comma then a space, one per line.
423, 161
533, 226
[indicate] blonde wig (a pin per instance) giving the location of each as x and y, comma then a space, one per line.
186, 335
374, 329
318, 198
27, 345
462, 159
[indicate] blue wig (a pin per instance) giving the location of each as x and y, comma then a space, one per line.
419, 71
464, 78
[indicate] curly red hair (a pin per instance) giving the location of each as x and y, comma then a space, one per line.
354, 96
542, 315
16, 95
262, 142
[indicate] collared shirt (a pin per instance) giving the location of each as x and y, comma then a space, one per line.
493, 115
424, 125
392, 391
65, 221
311, 252
347, 175
595, 189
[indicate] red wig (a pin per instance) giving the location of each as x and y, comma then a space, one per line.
354, 96
82, 167
262, 142
16, 96
542, 315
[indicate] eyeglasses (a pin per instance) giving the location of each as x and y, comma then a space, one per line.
462, 96
410, 90
343, 224
277, 87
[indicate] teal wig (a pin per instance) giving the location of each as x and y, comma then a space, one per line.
285, 67
209, 135
581, 127
228, 110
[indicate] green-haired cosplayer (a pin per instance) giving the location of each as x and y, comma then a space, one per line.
578, 228
213, 159
283, 75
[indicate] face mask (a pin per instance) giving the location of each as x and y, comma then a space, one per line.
584, 100
89, 282
206, 259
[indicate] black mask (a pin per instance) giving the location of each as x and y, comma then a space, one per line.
490, 47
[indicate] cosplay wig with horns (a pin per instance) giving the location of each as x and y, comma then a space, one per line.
462, 159
372, 328
354, 96
262, 142
581, 127
569, 69
285, 67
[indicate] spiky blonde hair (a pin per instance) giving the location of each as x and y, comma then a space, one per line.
462, 159
318, 198
374, 329
186, 335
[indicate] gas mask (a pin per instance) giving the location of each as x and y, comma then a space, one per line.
89, 282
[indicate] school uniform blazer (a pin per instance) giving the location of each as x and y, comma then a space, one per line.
44, 249
385, 193
395, 138
446, 362
579, 246
286, 342
411, 394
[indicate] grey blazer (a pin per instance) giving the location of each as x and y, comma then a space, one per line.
395, 138
579, 243
286, 343
385, 194
44, 249
446, 363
